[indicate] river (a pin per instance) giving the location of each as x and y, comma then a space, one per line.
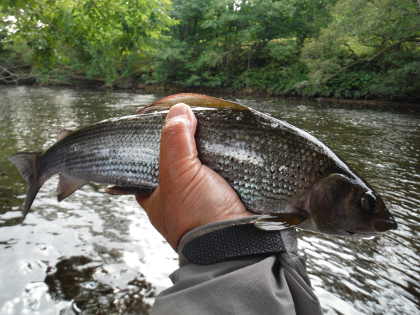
98, 254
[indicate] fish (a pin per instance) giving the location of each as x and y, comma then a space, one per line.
280, 172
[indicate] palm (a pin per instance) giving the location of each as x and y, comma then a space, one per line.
189, 194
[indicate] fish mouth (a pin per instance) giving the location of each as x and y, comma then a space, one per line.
379, 226
382, 225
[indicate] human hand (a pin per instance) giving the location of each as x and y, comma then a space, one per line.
189, 193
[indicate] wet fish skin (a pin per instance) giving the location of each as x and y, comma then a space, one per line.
272, 165
286, 169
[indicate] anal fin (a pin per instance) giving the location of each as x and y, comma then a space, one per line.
68, 185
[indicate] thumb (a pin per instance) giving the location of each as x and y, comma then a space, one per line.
178, 151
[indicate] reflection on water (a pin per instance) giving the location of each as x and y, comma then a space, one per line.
72, 279
93, 251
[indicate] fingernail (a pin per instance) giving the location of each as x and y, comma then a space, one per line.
178, 110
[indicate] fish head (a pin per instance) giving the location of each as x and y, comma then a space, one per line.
341, 205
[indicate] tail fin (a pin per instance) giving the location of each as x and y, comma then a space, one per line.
28, 165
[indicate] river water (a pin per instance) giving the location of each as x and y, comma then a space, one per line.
97, 254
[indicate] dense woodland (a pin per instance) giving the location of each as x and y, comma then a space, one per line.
332, 48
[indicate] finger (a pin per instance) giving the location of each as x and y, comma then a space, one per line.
178, 150
180, 110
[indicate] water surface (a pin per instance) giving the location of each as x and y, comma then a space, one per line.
99, 254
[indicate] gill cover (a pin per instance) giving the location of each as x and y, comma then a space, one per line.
341, 205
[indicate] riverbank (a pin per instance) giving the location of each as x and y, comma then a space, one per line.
165, 89
249, 92
311, 50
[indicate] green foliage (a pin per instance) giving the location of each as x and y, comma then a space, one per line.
103, 40
369, 49
226, 43
337, 48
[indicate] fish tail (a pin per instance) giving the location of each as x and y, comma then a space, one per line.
28, 165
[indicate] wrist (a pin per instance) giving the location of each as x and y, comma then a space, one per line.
204, 224
231, 239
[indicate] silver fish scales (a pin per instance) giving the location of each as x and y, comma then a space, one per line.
273, 166
247, 153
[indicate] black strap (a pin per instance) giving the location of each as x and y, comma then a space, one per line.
233, 242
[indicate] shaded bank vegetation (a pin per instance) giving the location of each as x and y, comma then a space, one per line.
332, 48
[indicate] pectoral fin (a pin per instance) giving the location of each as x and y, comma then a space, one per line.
192, 99
279, 221
68, 185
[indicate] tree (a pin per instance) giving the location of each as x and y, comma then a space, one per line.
222, 42
103, 40
371, 48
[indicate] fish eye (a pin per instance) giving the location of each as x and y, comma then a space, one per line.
368, 202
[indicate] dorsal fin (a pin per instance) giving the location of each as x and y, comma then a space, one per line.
191, 99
